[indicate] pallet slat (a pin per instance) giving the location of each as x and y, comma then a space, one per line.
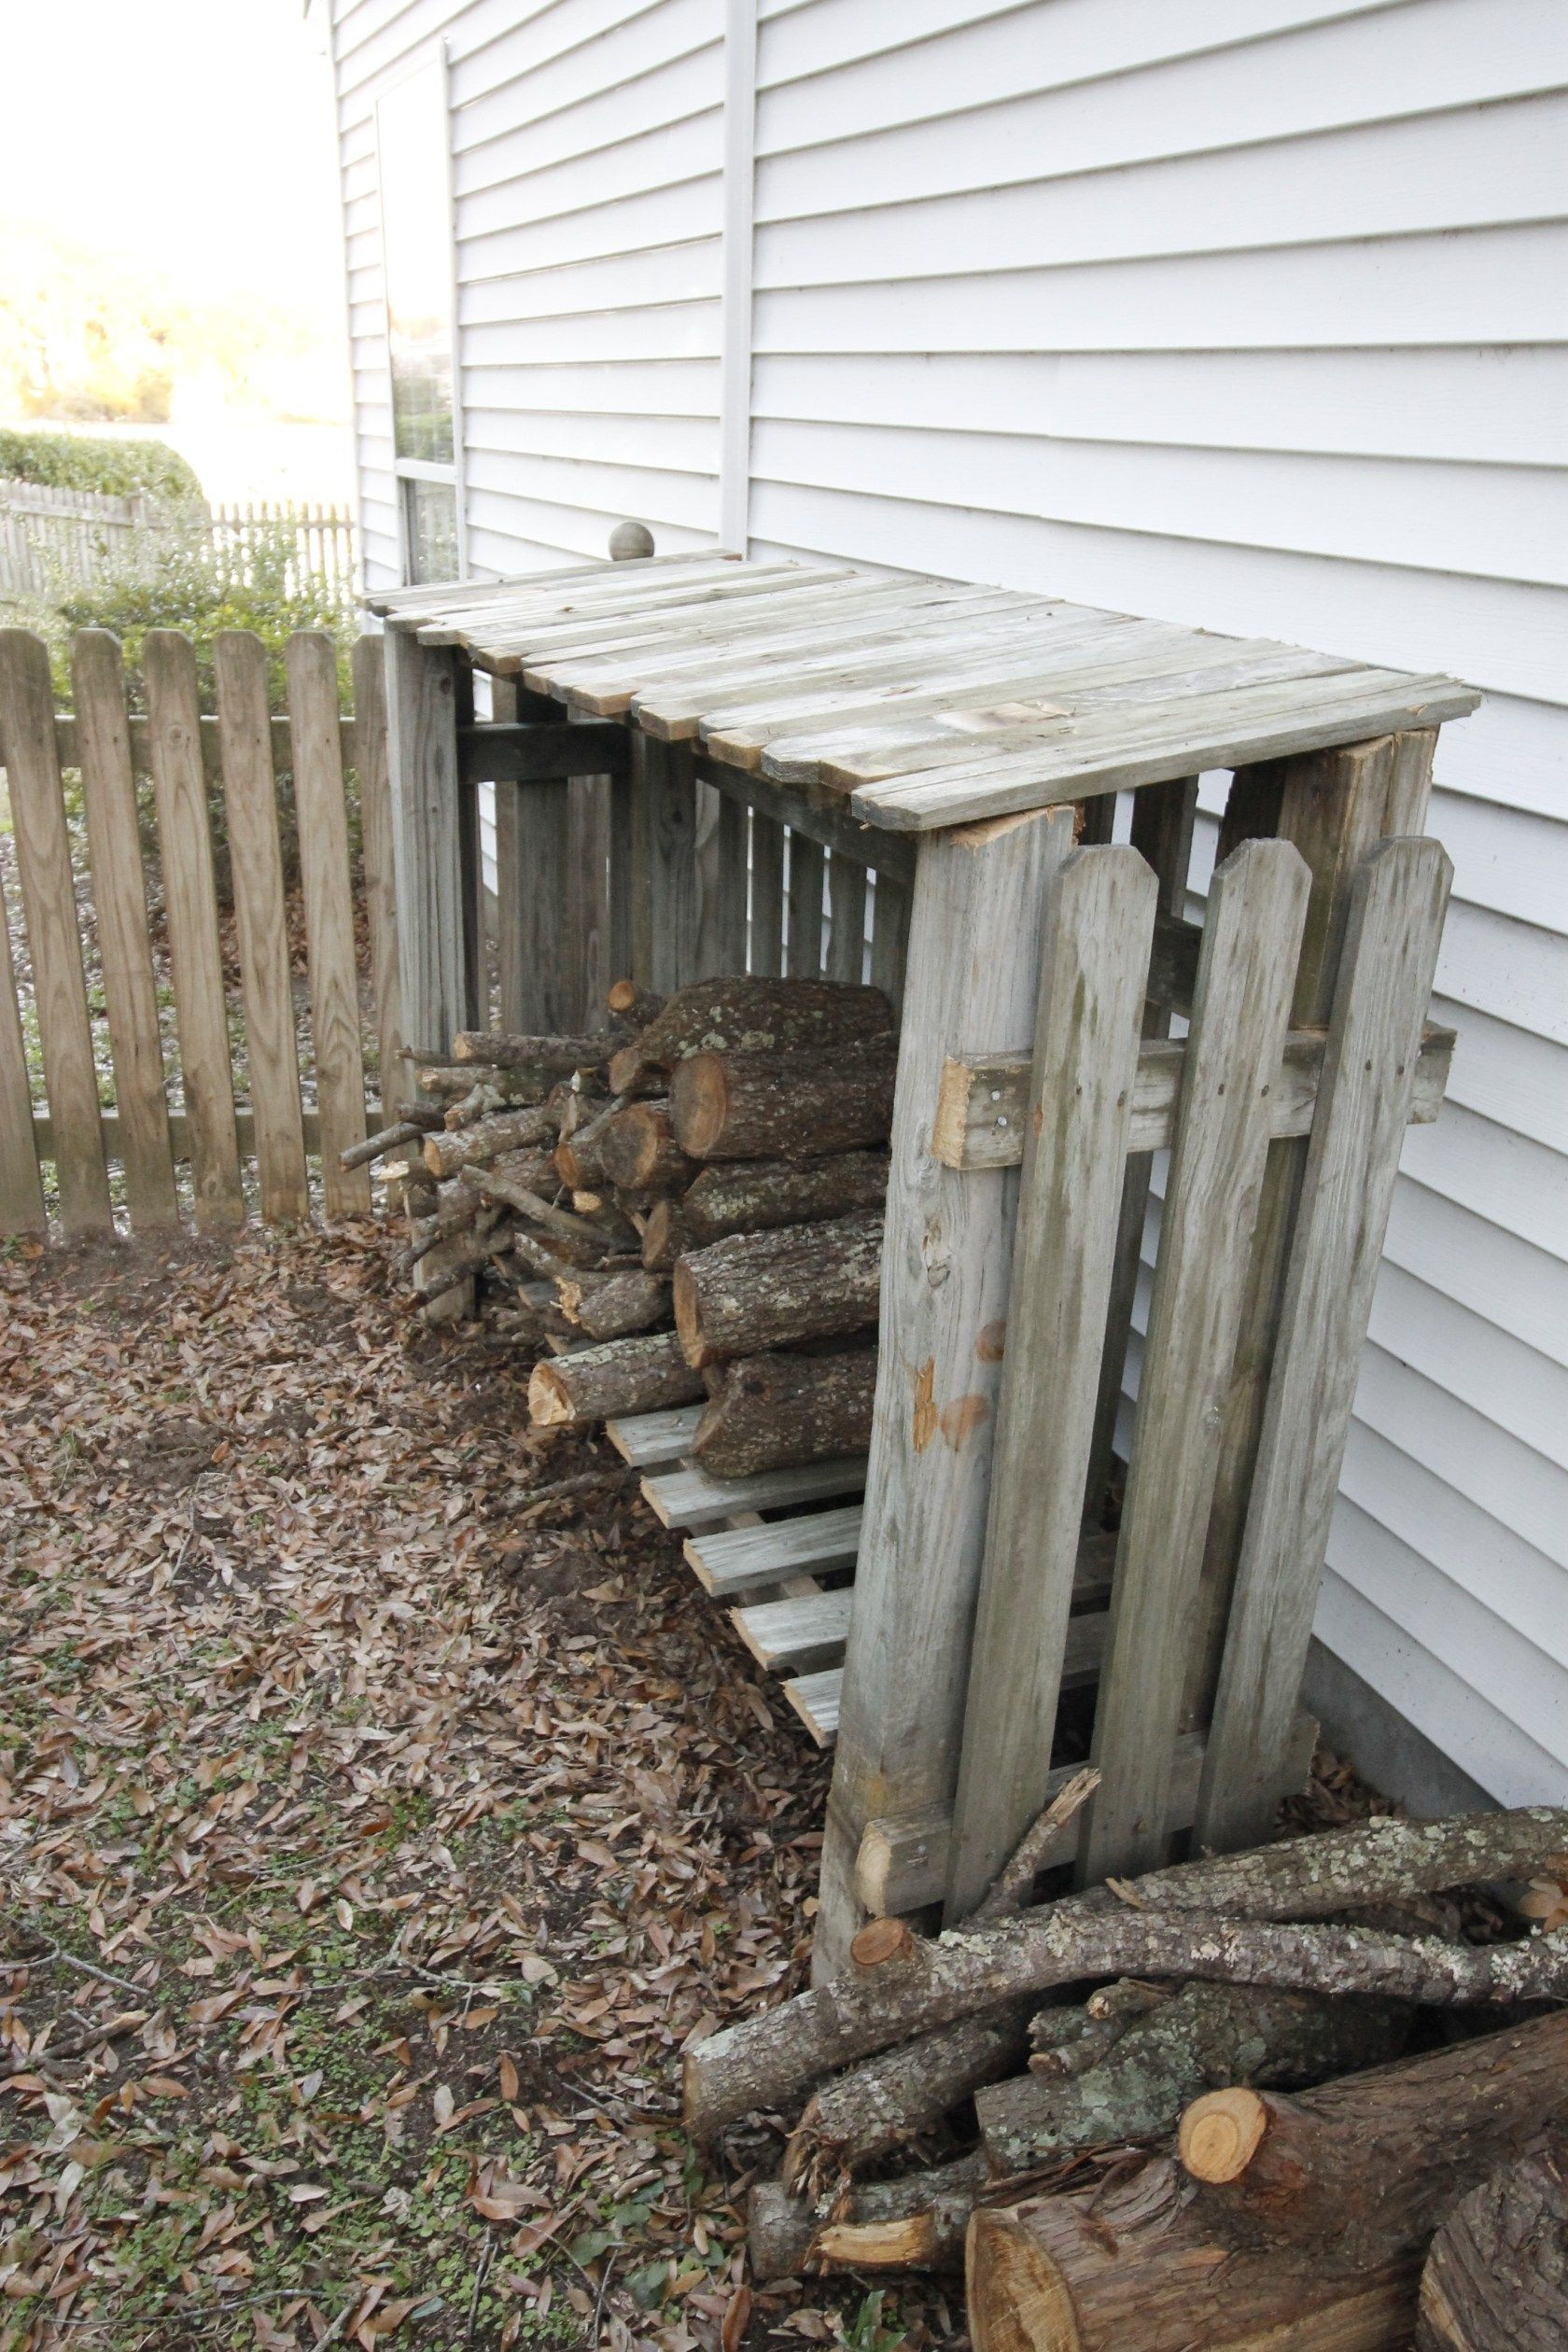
649, 1440
738, 1560
689, 1498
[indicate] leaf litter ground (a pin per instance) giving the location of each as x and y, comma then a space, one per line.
380, 1809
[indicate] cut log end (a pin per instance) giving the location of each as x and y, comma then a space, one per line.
1221, 2134
687, 1325
700, 1102
881, 1943
1018, 2300
549, 1405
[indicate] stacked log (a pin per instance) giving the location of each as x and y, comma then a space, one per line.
737, 1133
1233, 2002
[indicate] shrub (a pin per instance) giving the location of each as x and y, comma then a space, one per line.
74, 461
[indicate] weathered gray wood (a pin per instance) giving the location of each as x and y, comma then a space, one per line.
846, 905
981, 1105
195, 948
1162, 829
803, 957
817, 1700
1109, 755
49, 897
427, 848
723, 830
825, 821
766, 953
506, 750
119, 896
1257, 904
513, 878
1396, 925
1099, 916
782, 1635
689, 1498
368, 751
670, 784
21, 1190
587, 941
889, 936
649, 1440
334, 982
942, 1321
262, 923
1333, 807
471, 858
738, 1560
67, 740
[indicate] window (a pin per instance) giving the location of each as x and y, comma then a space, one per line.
417, 253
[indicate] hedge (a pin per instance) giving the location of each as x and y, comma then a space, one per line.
76, 461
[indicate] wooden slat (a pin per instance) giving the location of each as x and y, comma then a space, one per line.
827, 822
738, 1560
943, 1310
803, 959
847, 904
734, 836
49, 899
1227, 731
422, 745
1099, 916
1396, 925
460, 617
262, 923
119, 896
890, 934
767, 951
981, 1105
367, 752
1161, 830
21, 1191
68, 742
318, 793
608, 661
689, 1498
586, 944
195, 948
649, 1440
1097, 675
782, 1635
817, 1699
499, 750
1257, 904
670, 785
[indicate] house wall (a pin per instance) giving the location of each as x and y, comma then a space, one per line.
1251, 315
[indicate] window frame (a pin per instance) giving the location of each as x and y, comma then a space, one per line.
430, 61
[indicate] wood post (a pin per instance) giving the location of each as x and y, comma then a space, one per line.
1386, 970
334, 985
422, 747
1099, 920
943, 1305
381, 890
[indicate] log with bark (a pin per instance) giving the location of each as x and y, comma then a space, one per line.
756, 1291
638, 1153
579, 1160
633, 1009
449, 1082
865, 2114
1122, 2068
753, 1017
1306, 2229
666, 1237
407, 1130
557, 1056
644, 1375
1496, 2279
612, 1305
795, 1106
487, 1139
1203, 1919
916, 2223
754, 1195
767, 1412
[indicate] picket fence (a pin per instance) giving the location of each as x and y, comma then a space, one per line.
305, 1093
52, 539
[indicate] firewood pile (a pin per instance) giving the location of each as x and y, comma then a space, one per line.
683, 1208
1183, 2109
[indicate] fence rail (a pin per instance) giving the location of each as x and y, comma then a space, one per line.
301, 1086
51, 538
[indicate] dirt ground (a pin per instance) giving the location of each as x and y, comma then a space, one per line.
375, 1826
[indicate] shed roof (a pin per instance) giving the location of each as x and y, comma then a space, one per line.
927, 703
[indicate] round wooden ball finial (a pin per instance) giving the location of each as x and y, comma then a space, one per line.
1220, 2134
630, 541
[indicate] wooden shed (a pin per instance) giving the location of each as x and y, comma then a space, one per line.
704, 765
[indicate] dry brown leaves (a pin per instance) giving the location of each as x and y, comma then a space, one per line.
372, 1843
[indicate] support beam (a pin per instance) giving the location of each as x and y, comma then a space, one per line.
426, 839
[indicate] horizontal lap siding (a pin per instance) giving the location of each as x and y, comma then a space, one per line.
585, 159
1253, 316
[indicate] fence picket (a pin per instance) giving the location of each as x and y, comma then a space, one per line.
889, 935
119, 896
22, 1187
804, 946
195, 949
846, 900
260, 919
318, 793
48, 898
767, 896
1251, 937
1099, 927
1397, 904
380, 895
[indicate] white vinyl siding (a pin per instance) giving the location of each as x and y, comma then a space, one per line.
1251, 316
